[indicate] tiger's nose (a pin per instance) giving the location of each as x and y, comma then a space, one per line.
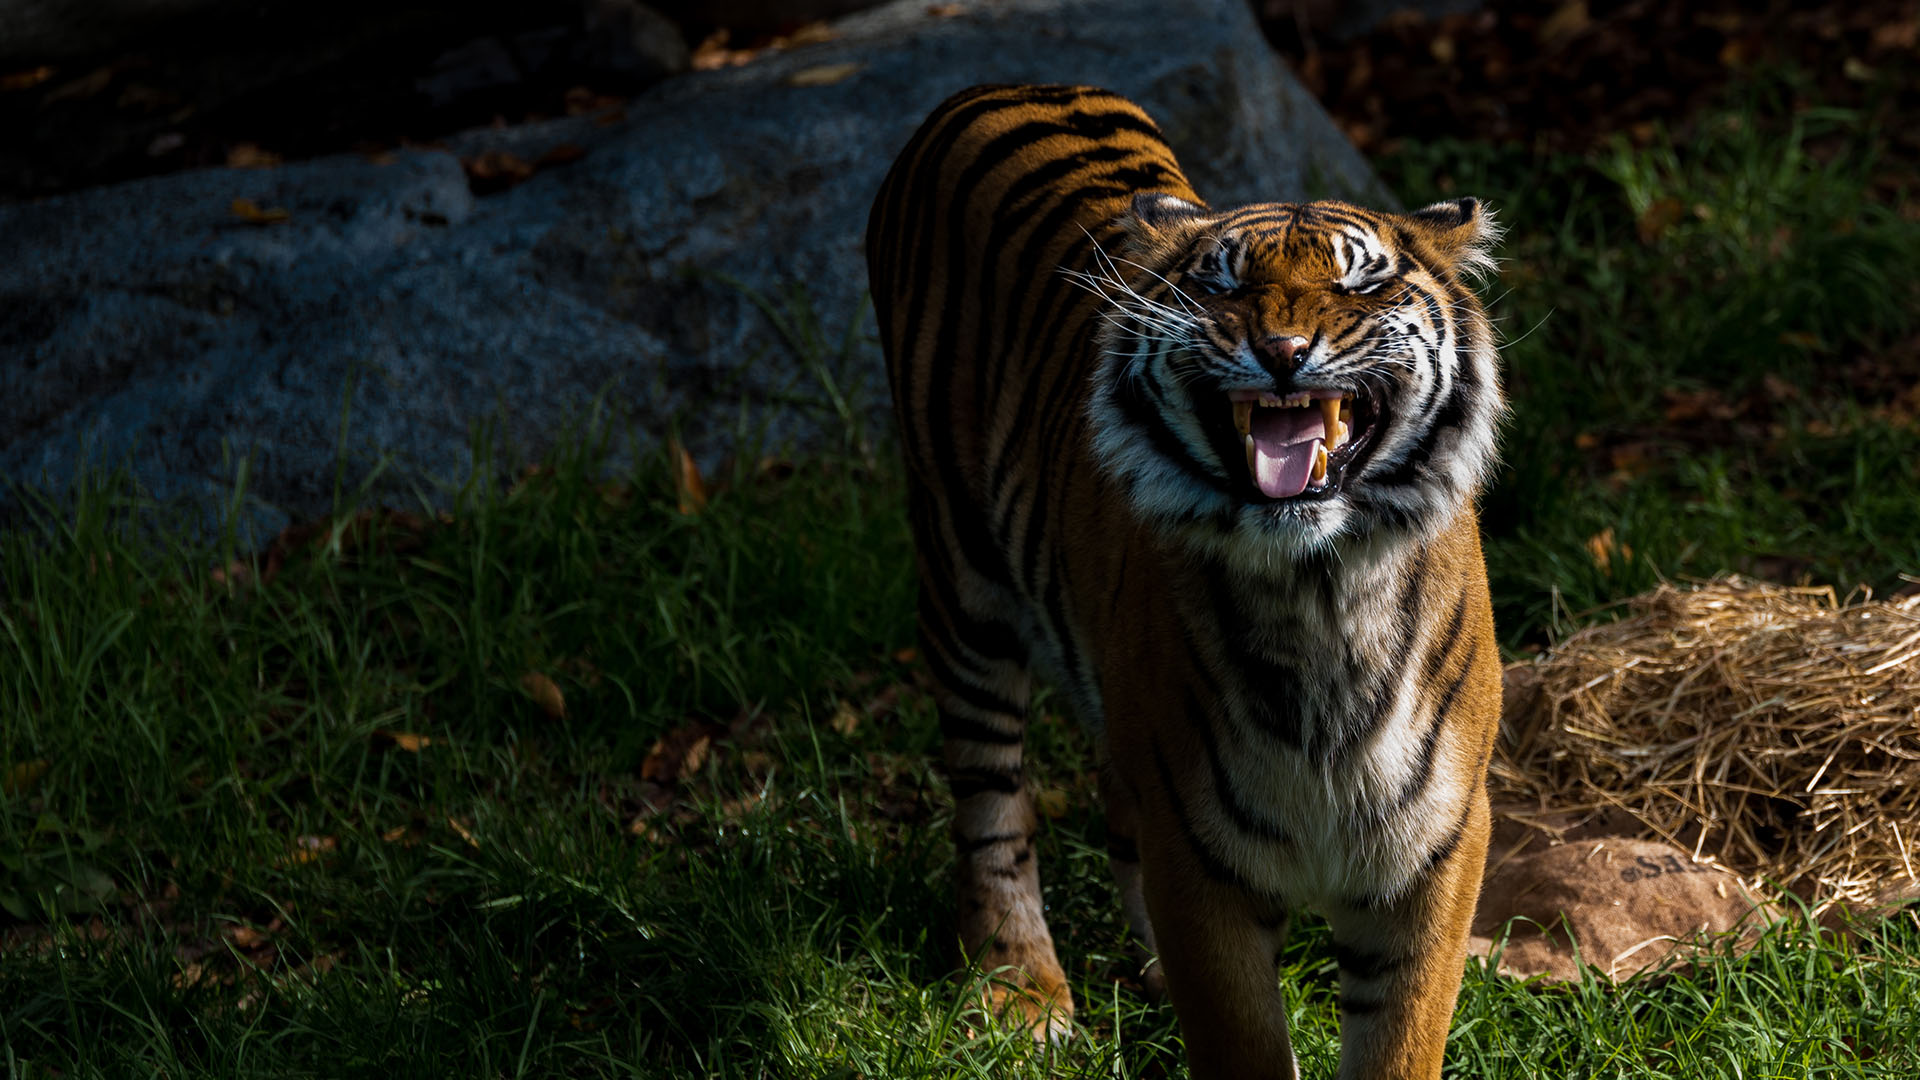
1281, 355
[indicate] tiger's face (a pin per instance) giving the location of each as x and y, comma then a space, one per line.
1292, 374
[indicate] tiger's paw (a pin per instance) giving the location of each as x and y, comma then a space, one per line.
1043, 1006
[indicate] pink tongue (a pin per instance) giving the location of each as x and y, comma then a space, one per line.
1283, 442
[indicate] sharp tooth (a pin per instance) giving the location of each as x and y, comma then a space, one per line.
1340, 436
1251, 470
1330, 419
1319, 463
1242, 416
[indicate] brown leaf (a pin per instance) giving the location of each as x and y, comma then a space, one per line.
845, 719
85, 86
25, 80
545, 693
1566, 23
1898, 34
1689, 405
465, 831
1052, 803
561, 154
688, 484
1600, 547
812, 33
1632, 458
712, 53
253, 214
246, 937
823, 75
906, 656
308, 849
1657, 218
495, 170
679, 753
247, 155
409, 741
22, 775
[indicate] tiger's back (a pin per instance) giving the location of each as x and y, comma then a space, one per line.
1144, 468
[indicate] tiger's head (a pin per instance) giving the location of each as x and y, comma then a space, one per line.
1294, 374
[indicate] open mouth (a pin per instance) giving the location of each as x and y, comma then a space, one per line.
1300, 443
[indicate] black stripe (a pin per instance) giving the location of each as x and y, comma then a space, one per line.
1443, 710
962, 729
965, 846
1352, 1007
977, 697
1364, 964
968, 782
1210, 864
1225, 793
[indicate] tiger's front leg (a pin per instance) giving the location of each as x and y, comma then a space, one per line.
1001, 915
1401, 962
1219, 951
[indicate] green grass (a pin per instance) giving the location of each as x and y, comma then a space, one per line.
224, 851
1779, 285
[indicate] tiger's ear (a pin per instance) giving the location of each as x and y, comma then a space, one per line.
1461, 231
1153, 211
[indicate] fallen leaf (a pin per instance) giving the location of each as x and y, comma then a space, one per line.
1052, 803
1586, 440
1567, 22
1600, 546
712, 53
395, 834
26, 80
251, 212
906, 656
561, 154
812, 33
244, 936
1657, 218
465, 831
1857, 69
1704, 404
545, 693
495, 170
1632, 458
246, 155
679, 753
189, 977
582, 100
85, 86
308, 849
845, 719
1899, 34
22, 775
1800, 339
409, 741
824, 75
687, 481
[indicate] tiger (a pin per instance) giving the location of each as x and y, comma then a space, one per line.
1210, 473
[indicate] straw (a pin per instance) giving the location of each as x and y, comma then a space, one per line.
1773, 730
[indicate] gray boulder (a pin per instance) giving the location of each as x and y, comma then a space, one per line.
151, 323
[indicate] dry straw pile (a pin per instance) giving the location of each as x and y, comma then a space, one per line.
1773, 730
